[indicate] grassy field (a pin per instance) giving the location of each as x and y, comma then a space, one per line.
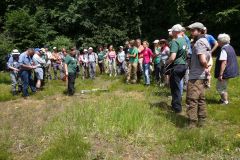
128, 122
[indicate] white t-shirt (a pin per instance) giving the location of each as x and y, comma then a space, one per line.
223, 55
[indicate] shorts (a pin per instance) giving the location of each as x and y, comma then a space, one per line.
222, 86
39, 73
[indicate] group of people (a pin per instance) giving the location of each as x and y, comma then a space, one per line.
177, 63
194, 62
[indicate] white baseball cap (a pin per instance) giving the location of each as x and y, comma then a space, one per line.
85, 50
54, 47
15, 52
90, 48
176, 28
156, 41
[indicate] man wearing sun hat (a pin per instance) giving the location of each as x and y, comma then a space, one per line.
13, 66
195, 99
177, 59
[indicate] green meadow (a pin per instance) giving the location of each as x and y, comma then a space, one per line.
126, 122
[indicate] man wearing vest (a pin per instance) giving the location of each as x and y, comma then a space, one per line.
178, 56
226, 66
195, 99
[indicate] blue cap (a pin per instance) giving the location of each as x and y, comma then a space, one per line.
37, 49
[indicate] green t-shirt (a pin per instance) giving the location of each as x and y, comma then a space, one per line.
158, 58
71, 63
179, 46
133, 51
101, 55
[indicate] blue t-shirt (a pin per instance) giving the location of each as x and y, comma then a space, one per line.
211, 40
188, 44
25, 59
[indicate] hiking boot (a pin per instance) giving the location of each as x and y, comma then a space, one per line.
192, 124
201, 122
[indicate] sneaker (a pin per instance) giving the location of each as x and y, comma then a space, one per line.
222, 102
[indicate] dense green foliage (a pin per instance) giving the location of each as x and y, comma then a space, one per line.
93, 22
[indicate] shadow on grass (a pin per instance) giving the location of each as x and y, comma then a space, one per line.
180, 121
212, 101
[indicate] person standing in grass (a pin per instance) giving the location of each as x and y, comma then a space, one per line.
226, 66
13, 66
39, 62
133, 62
63, 55
195, 99
101, 57
56, 62
147, 55
156, 60
140, 58
93, 60
26, 67
111, 56
177, 60
121, 60
49, 63
70, 65
164, 53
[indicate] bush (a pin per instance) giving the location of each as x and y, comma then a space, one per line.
6, 46
62, 42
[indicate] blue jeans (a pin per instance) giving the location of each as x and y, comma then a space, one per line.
176, 76
146, 69
27, 80
92, 70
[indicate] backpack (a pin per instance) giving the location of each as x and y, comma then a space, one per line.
7, 57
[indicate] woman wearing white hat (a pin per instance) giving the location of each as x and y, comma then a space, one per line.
13, 66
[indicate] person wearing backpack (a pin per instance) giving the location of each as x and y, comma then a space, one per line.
13, 66
93, 60
177, 59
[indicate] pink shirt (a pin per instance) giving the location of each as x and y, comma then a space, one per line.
112, 55
147, 54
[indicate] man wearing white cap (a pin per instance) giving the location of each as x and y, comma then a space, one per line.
13, 66
178, 56
93, 60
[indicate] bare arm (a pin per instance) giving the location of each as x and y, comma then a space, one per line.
12, 68
66, 69
203, 60
223, 66
214, 47
171, 58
